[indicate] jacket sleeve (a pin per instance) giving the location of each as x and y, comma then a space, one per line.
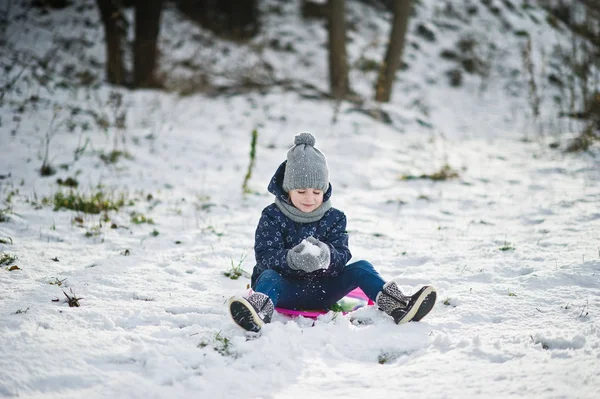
337, 240
269, 245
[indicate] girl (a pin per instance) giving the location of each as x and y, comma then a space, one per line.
301, 250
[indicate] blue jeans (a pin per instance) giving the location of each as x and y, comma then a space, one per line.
321, 293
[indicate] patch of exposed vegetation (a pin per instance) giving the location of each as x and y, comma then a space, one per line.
138, 218
47, 170
72, 299
214, 231
234, 273
254, 137
68, 182
448, 302
94, 231
220, 344
507, 246
368, 65
584, 141
467, 57
455, 77
388, 357
56, 281
566, 13
236, 270
4, 215
114, 156
7, 259
94, 203
445, 173
203, 203
336, 307
396, 201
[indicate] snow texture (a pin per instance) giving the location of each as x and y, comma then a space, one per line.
310, 248
512, 244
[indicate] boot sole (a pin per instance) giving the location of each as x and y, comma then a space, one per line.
416, 305
426, 306
244, 315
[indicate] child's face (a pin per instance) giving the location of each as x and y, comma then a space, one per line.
306, 199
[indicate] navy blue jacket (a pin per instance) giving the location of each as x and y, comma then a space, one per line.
276, 234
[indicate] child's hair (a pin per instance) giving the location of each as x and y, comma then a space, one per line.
306, 166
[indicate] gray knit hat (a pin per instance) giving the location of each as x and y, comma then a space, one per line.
306, 166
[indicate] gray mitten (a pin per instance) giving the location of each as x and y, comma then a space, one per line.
304, 257
324, 255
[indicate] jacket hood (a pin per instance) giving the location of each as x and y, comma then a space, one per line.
276, 186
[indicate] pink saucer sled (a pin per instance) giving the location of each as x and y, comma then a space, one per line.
355, 299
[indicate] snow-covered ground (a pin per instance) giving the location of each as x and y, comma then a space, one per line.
512, 245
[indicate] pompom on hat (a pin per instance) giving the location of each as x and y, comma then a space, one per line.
306, 165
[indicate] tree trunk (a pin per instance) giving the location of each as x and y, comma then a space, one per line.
147, 27
111, 14
338, 64
393, 55
243, 17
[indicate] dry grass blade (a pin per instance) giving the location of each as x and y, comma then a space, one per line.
73, 301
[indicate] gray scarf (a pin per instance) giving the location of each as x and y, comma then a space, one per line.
302, 217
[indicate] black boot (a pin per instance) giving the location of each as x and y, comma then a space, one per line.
405, 308
427, 295
253, 312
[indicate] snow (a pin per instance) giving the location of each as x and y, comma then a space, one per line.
512, 245
310, 248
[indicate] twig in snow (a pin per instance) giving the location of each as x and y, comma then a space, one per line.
245, 189
581, 315
73, 301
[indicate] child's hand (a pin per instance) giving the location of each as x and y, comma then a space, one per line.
302, 258
324, 255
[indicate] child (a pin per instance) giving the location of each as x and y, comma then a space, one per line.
301, 249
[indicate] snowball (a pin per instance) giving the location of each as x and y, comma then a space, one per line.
310, 248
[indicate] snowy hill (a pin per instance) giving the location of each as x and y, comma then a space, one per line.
512, 244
